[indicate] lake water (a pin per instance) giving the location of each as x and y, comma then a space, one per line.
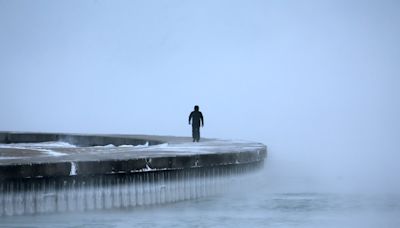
274, 197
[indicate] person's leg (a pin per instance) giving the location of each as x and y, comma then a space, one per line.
194, 133
197, 134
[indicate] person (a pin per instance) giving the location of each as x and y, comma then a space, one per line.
196, 117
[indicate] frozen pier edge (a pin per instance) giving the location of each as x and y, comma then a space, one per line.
49, 172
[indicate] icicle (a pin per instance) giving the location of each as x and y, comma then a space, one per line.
1, 199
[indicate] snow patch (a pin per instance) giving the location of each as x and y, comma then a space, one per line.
148, 168
53, 144
141, 146
6, 158
126, 146
106, 146
41, 147
52, 152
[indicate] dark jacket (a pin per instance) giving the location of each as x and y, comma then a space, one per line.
196, 117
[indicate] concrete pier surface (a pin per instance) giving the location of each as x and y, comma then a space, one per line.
110, 154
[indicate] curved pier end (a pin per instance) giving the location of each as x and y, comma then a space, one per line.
118, 154
47, 173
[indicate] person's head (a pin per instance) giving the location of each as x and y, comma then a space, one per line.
196, 108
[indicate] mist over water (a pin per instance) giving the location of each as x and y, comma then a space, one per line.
262, 199
316, 81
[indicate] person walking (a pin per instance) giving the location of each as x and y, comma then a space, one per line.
196, 117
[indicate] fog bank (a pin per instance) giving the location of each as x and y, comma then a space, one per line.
316, 81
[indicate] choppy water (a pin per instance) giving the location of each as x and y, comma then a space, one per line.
270, 198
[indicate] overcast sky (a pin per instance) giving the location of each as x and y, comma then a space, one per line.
313, 80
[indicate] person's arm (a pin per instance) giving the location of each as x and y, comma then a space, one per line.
190, 116
202, 119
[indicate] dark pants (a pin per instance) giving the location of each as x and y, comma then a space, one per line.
196, 133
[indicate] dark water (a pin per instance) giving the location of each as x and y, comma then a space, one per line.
269, 198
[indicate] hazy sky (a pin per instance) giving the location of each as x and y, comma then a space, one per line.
314, 80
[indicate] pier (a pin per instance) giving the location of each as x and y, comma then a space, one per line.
51, 172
